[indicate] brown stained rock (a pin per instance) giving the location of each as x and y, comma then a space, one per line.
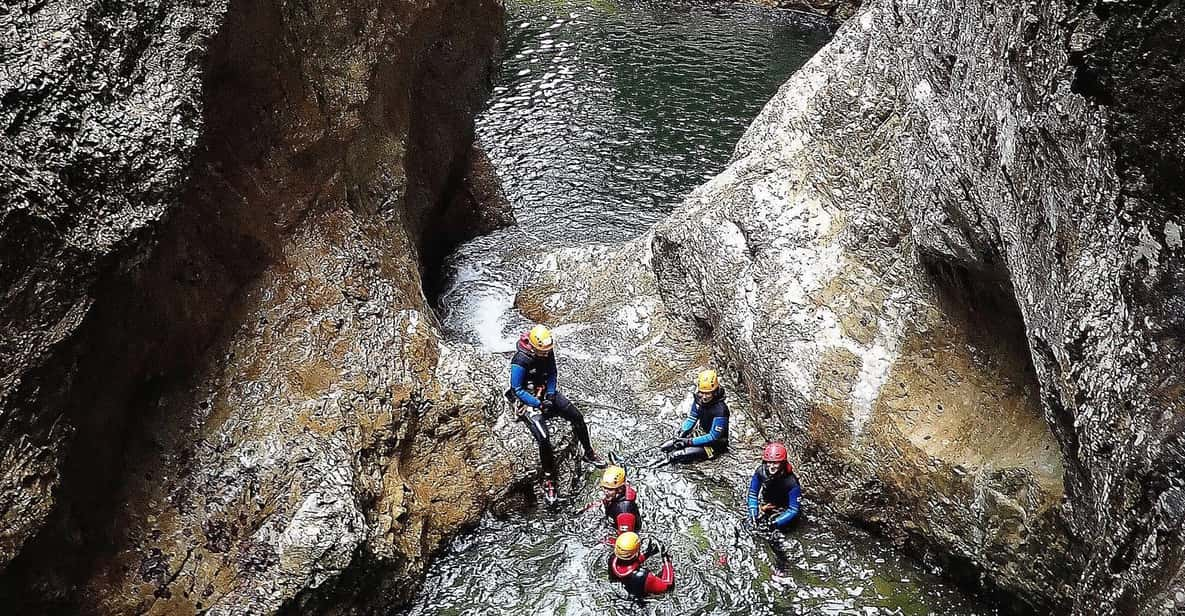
250, 379
100, 126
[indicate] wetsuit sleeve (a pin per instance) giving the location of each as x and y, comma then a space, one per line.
552, 381
787, 516
664, 581
518, 378
719, 425
692, 418
754, 492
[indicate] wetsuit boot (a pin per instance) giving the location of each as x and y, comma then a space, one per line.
550, 497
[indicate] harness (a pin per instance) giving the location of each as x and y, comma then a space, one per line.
539, 369
625, 504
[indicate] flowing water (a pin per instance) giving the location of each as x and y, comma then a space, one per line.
604, 116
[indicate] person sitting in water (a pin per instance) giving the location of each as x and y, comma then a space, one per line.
709, 412
774, 489
625, 566
620, 501
534, 395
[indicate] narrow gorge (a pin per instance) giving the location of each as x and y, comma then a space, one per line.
258, 278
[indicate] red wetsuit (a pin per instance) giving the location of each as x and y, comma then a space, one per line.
622, 512
638, 581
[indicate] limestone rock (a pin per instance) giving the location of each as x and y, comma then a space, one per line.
945, 264
222, 384
101, 116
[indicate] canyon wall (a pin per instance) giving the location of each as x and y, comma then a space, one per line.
222, 382
946, 264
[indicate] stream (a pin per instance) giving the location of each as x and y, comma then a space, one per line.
605, 114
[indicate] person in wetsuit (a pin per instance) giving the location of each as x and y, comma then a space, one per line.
709, 412
534, 395
625, 566
620, 501
774, 489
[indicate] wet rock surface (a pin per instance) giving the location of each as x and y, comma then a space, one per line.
100, 107
835, 9
224, 386
943, 268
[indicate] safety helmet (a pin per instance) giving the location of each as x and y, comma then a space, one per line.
540, 338
774, 452
707, 382
613, 478
626, 546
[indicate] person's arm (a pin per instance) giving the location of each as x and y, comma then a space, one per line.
754, 492
719, 425
664, 581
787, 516
692, 419
553, 380
518, 381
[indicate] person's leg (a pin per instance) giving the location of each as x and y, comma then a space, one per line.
688, 455
564, 408
535, 423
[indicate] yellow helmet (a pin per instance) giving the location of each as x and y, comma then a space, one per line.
540, 338
626, 546
614, 477
707, 382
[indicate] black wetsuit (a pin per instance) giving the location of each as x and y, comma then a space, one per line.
638, 581
623, 513
712, 418
532, 381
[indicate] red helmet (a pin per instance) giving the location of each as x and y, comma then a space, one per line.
774, 452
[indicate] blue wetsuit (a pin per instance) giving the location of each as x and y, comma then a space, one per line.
781, 490
712, 418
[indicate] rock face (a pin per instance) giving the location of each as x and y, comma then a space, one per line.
222, 383
101, 117
946, 263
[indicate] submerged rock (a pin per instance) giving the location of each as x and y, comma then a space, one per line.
836, 9
945, 263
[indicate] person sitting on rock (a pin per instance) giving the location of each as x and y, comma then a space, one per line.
709, 411
625, 566
620, 501
534, 396
774, 489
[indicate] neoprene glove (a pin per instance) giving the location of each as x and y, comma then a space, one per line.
546, 404
682, 443
550, 396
